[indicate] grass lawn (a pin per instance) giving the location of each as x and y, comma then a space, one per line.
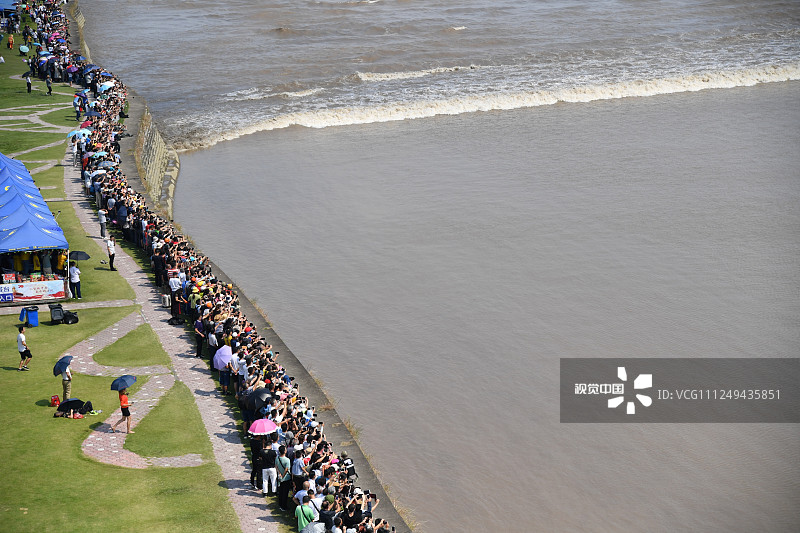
54, 152
140, 347
49, 485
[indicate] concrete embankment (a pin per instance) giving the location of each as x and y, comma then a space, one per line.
157, 165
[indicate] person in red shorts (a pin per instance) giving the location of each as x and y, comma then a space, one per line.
124, 404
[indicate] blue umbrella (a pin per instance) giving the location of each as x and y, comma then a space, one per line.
108, 74
106, 164
45, 53
80, 58
24, 48
93, 113
123, 382
60, 41
62, 364
36, 44
89, 68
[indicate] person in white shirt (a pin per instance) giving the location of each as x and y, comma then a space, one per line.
111, 245
24, 352
75, 280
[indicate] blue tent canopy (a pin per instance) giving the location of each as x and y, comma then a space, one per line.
6, 161
13, 184
13, 195
26, 222
29, 236
22, 215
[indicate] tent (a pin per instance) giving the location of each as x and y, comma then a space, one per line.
29, 236
22, 214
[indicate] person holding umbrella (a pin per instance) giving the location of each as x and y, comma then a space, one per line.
62, 367
124, 405
121, 384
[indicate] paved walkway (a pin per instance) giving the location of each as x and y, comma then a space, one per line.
218, 418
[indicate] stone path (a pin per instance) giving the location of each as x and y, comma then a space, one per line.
44, 311
218, 418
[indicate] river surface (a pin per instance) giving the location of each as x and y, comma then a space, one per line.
437, 202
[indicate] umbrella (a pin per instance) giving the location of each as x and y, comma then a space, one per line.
106, 164
97, 173
86, 123
222, 357
257, 399
99, 154
73, 404
123, 382
45, 53
262, 426
108, 74
24, 48
93, 113
80, 58
72, 69
36, 44
77, 255
62, 364
89, 68
74, 133
61, 40
105, 86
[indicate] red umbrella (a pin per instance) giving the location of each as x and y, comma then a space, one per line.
87, 123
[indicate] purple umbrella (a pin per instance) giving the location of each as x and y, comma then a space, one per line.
222, 357
72, 69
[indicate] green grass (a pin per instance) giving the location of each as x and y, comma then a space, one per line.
156, 434
98, 283
61, 117
54, 152
140, 347
49, 485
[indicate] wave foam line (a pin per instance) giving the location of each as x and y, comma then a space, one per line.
387, 76
345, 116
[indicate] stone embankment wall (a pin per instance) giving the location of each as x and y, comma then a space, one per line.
157, 162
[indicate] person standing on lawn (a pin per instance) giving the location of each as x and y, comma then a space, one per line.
24, 351
124, 404
112, 250
66, 383
75, 280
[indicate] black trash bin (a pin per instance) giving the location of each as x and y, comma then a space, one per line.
56, 313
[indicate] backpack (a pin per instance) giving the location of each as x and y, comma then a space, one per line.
70, 317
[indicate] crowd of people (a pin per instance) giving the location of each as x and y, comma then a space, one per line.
295, 463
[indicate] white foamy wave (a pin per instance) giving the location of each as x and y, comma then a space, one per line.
299, 94
345, 116
458, 28
261, 94
387, 76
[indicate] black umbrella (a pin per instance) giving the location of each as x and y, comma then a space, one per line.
77, 255
123, 382
62, 364
73, 404
258, 398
